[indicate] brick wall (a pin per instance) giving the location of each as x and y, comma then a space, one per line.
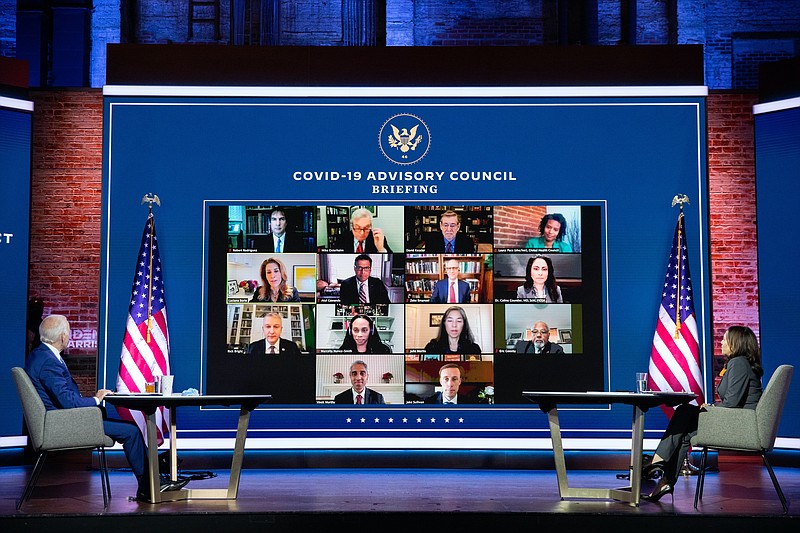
770, 22
491, 32
516, 224
732, 188
8, 28
65, 216
432, 18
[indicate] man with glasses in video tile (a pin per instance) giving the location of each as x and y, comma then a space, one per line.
364, 239
539, 343
449, 241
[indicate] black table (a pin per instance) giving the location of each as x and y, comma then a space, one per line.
641, 402
149, 403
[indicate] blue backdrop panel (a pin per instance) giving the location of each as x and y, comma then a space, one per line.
627, 155
777, 192
15, 169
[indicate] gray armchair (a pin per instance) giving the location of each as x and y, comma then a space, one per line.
60, 429
745, 430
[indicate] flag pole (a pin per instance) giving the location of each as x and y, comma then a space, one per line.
151, 199
679, 199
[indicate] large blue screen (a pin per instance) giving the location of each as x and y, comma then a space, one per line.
221, 158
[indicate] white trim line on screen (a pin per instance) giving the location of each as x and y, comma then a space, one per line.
14, 103
405, 92
779, 105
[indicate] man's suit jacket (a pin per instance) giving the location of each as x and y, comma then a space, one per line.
53, 382
58, 390
528, 347
347, 244
441, 292
460, 399
435, 244
287, 348
348, 291
291, 243
370, 397
264, 243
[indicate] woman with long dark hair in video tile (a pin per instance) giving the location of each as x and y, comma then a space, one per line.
540, 281
455, 335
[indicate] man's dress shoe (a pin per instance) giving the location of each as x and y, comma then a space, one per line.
143, 494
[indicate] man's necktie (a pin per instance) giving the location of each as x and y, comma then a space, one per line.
358, 399
278, 248
448, 403
362, 293
452, 298
272, 349
449, 247
360, 248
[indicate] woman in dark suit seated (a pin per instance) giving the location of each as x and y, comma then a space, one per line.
740, 388
274, 286
454, 335
362, 337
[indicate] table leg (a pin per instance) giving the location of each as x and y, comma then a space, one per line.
558, 452
238, 453
173, 444
565, 491
152, 456
637, 448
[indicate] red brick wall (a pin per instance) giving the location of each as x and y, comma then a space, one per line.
514, 225
732, 208
65, 216
65, 212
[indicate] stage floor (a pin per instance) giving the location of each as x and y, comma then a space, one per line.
741, 495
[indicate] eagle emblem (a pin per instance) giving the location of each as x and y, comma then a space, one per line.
403, 139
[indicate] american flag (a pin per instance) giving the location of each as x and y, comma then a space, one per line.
145, 347
675, 358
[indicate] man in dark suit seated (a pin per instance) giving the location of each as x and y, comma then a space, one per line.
272, 343
451, 289
450, 378
53, 381
364, 239
363, 288
449, 241
539, 343
359, 394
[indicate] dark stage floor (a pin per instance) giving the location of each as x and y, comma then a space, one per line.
68, 497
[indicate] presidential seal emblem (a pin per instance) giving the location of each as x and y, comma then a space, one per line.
404, 139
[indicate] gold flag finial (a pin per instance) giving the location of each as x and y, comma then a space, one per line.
150, 199
679, 199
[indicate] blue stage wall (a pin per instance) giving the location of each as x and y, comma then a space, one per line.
777, 192
626, 150
15, 172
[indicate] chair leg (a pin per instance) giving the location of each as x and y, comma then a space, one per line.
775, 482
37, 469
104, 476
701, 478
105, 469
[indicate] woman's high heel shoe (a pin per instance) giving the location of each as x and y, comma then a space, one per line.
661, 489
